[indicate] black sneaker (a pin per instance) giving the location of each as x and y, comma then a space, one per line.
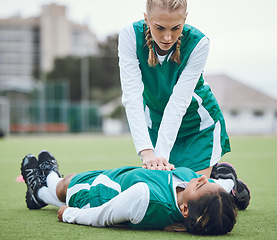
30, 173
224, 171
240, 191
241, 195
46, 164
213, 172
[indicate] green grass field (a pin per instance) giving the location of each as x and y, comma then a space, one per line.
255, 159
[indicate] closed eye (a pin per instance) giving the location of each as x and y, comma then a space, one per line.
200, 185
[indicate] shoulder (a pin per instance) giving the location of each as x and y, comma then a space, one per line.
190, 30
194, 38
139, 25
183, 170
132, 28
127, 31
133, 35
127, 38
185, 174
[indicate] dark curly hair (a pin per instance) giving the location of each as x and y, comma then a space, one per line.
211, 214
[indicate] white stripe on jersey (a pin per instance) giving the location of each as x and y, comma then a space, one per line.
206, 119
217, 150
105, 180
76, 188
101, 179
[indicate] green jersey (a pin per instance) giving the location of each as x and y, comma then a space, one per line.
160, 80
97, 188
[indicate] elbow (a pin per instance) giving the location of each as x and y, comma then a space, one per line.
142, 201
134, 100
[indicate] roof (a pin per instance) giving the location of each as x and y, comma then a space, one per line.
234, 94
18, 21
17, 85
109, 107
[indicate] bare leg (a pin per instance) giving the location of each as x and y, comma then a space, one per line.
206, 172
62, 187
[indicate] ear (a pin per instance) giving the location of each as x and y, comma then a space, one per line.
186, 14
146, 18
184, 210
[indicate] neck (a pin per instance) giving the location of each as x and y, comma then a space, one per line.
179, 192
160, 51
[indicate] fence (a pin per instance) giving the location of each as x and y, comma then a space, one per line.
49, 110
4, 116
54, 117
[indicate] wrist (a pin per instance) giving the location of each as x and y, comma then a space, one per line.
146, 153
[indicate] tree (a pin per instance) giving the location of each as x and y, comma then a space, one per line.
104, 81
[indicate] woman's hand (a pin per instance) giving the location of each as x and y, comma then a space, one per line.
61, 211
150, 161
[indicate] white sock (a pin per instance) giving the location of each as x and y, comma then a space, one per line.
227, 184
52, 181
45, 195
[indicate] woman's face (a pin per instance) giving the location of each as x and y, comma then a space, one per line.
197, 188
165, 27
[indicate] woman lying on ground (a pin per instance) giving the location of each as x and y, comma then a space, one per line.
177, 200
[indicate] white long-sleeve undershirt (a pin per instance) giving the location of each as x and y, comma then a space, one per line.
130, 205
132, 88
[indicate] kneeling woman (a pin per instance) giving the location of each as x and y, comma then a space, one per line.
179, 200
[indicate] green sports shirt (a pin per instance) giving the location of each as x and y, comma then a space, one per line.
160, 80
143, 198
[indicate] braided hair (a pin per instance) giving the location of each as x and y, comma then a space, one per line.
169, 5
152, 58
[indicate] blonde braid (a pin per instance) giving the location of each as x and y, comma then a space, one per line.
152, 58
176, 54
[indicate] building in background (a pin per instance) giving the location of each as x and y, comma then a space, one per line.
245, 109
29, 46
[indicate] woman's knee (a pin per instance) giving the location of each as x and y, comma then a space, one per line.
206, 172
62, 187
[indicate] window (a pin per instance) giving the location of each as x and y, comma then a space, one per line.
234, 113
258, 113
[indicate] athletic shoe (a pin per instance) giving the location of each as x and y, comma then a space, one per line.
213, 172
241, 195
46, 164
240, 191
224, 171
30, 173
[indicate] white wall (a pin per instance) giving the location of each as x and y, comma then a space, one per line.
249, 121
112, 126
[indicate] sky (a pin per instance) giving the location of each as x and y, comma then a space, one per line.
242, 33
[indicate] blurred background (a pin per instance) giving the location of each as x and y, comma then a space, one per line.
59, 65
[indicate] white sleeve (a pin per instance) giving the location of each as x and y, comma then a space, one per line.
130, 205
226, 184
180, 99
132, 89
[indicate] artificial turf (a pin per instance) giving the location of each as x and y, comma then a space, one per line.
255, 159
